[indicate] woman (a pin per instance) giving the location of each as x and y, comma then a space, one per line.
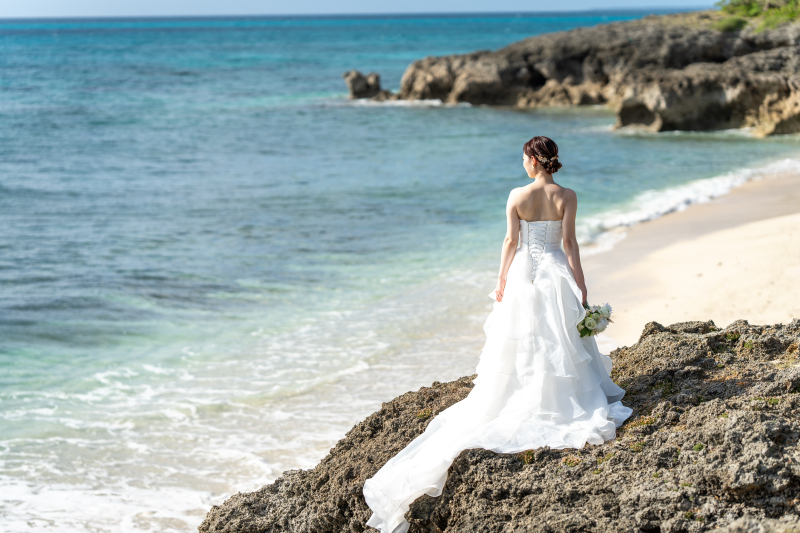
539, 382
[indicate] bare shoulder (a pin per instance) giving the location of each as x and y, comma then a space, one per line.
515, 195
567, 195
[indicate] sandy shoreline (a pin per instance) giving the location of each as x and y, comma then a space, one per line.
735, 257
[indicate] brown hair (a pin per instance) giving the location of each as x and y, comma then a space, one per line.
545, 151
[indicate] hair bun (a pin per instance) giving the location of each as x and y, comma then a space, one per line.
552, 165
545, 151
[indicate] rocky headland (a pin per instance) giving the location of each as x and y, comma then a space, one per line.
712, 443
689, 71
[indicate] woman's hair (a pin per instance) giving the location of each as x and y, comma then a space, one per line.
545, 151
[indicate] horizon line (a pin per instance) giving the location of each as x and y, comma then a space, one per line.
409, 14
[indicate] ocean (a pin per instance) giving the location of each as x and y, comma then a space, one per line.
213, 264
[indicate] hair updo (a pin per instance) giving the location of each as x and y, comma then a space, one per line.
545, 151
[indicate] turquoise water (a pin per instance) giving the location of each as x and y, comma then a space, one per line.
213, 264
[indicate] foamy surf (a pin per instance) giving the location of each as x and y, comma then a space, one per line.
433, 102
152, 446
603, 230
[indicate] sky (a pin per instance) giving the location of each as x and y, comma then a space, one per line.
135, 8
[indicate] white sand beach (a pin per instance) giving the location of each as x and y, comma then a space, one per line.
736, 257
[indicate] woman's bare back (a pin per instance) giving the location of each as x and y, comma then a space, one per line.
540, 201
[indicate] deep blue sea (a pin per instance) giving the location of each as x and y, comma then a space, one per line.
212, 264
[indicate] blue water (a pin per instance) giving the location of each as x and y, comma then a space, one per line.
212, 263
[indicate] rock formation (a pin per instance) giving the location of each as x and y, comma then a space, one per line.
712, 443
368, 86
760, 90
669, 72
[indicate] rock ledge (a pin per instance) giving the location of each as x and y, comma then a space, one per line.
712, 443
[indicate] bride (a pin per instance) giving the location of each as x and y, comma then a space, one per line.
539, 382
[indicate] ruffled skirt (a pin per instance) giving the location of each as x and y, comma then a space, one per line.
539, 384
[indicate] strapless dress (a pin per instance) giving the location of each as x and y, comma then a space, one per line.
539, 383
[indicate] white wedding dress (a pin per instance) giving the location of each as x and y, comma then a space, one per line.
539, 383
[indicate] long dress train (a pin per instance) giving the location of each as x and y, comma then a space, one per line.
539, 384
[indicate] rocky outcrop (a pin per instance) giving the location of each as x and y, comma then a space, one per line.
369, 86
361, 86
670, 72
759, 90
713, 442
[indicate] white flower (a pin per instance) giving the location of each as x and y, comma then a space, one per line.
589, 323
605, 311
602, 325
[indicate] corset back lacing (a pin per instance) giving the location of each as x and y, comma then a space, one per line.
538, 238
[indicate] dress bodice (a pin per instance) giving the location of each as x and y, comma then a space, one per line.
538, 238
540, 232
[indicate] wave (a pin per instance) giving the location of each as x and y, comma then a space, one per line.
121, 506
165, 448
602, 231
434, 102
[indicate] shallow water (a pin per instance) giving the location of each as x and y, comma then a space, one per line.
213, 264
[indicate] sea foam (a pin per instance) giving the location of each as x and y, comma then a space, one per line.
603, 230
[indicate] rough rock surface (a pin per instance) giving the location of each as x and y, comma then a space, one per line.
669, 72
752, 525
759, 90
712, 443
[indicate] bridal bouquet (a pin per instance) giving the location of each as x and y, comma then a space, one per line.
596, 319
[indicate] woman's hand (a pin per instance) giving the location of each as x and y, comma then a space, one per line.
499, 289
584, 294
